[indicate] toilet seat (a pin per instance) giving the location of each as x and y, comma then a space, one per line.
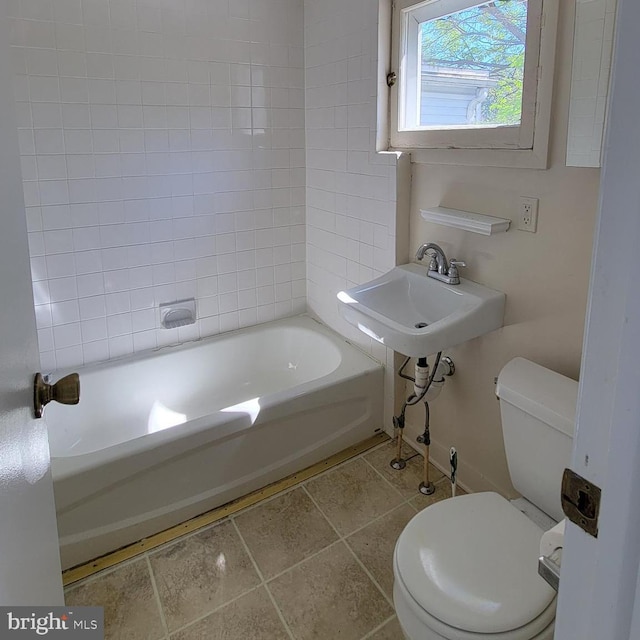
469, 565
420, 625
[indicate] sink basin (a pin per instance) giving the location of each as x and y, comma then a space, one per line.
416, 315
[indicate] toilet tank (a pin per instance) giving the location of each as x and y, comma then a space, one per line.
538, 408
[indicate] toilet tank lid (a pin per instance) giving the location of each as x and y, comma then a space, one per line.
546, 395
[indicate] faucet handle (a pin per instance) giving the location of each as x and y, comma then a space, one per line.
453, 269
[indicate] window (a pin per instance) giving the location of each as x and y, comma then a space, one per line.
472, 74
465, 68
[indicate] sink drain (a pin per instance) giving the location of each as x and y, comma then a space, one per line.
421, 325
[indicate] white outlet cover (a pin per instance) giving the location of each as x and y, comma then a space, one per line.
532, 225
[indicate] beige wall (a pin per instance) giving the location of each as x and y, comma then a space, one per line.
544, 275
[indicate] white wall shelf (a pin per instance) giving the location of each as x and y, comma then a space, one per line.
467, 220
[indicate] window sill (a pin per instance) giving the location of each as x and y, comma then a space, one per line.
537, 158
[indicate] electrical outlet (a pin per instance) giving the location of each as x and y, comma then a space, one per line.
528, 214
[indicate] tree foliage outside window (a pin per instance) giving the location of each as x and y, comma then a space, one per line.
488, 38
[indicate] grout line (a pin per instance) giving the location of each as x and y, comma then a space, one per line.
374, 631
248, 551
157, 594
280, 614
263, 582
389, 599
364, 526
343, 539
368, 464
297, 564
215, 610
244, 593
324, 515
241, 595
379, 473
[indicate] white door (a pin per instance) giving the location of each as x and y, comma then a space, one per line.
29, 558
599, 580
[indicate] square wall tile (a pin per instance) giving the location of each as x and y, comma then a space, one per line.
140, 114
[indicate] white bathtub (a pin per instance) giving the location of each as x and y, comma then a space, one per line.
161, 438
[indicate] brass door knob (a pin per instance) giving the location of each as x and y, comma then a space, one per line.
65, 391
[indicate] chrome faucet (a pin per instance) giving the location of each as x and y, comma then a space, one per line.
439, 268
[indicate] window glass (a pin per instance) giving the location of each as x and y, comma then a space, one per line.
468, 64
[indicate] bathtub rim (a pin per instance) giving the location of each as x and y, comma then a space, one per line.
308, 319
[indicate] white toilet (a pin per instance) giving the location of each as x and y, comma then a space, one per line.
466, 568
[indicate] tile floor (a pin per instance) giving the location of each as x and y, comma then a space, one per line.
313, 563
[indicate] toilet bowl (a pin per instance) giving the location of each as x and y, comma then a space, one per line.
466, 568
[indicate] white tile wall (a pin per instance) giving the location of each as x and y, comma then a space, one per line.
351, 190
592, 52
163, 157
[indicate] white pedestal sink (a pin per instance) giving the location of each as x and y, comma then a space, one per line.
416, 315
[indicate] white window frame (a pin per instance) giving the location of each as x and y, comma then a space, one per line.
512, 146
